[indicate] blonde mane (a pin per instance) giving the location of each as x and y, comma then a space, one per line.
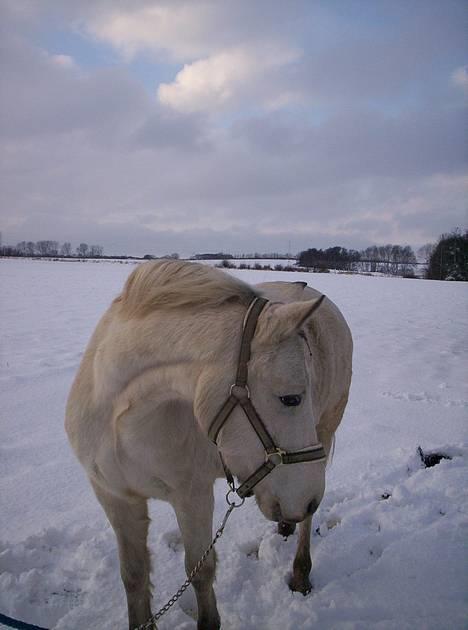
172, 284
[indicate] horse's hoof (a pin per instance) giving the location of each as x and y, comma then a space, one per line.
300, 585
209, 622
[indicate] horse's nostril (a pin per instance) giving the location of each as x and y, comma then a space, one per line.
312, 507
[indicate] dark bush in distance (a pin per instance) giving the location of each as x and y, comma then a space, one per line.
449, 260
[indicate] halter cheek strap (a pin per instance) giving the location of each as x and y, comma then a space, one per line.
240, 395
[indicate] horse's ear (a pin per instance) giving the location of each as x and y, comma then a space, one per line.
287, 319
279, 291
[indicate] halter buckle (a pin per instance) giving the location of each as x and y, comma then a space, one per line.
276, 456
241, 392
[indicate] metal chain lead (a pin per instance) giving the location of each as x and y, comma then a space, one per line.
150, 624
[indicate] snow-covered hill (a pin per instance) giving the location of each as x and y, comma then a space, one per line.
389, 534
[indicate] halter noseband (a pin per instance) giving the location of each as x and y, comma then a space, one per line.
240, 395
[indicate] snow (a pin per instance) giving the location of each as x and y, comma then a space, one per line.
388, 537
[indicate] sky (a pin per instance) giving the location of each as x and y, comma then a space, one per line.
160, 126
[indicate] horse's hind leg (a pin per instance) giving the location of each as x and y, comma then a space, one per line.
195, 518
302, 562
130, 521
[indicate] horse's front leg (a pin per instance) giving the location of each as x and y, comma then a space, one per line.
129, 520
195, 518
302, 562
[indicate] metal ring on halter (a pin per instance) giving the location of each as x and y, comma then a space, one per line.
276, 456
241, 392
233, 502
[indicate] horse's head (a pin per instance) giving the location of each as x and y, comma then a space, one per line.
282, 387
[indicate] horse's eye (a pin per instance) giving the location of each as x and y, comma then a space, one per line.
291, 401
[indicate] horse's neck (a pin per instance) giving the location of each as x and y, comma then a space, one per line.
170, 348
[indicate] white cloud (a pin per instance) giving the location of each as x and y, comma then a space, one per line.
229, 50
220, 80
178, 28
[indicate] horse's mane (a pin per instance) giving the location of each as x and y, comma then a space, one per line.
172, 284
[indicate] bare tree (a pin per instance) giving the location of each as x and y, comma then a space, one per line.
42, 248
425, 251
407, 261
21, 248
390, 259
47, 248
66, 249
82, 250
96, 250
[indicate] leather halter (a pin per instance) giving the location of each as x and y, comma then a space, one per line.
240, 395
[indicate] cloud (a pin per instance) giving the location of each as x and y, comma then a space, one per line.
355, 139
352, 55
184, 30
226, 59
43, 96
46, 95
175, 28
360, 143
225, 79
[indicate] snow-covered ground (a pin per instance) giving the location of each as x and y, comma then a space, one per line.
389, 535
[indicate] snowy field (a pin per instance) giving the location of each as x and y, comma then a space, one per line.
388, 538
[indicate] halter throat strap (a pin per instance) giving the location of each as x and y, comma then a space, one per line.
239, 394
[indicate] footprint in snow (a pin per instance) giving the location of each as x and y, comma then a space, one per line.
250, 548
412, 396
325, 527
424, 397
47, 575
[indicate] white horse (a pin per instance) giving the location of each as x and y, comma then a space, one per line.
155, 375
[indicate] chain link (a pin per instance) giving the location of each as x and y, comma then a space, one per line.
151, 623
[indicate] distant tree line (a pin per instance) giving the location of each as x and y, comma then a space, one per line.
331, 258
251, 256
445, 260
227, 264
217, 256
173, 256
267, 256
389, 259
48, 249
